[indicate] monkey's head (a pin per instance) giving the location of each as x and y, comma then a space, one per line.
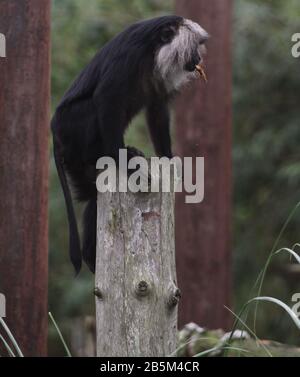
171, 46
180, 48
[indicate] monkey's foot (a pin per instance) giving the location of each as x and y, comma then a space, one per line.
134, 152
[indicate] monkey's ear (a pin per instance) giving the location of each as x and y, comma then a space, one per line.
167, 34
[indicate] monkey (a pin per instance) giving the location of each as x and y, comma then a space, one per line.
142, 68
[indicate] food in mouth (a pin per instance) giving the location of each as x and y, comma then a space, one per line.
201, 71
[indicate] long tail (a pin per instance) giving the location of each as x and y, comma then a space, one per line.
74, 240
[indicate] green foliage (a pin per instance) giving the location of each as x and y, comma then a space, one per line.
266, 153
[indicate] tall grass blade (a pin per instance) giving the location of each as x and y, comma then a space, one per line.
6, 345
174, 353
289, 311
274, 248
11, 337
60, 335
290, 251
259, 342
207, 352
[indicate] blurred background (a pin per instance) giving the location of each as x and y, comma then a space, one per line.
265, 152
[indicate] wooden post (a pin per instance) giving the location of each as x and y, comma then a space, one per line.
24, 130
203, 125
136, 290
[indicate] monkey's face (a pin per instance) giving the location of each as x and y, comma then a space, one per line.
182, 49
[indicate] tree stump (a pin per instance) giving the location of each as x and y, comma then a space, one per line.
136, 288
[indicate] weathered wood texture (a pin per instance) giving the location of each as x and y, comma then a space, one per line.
24, 125
203, 124
136, 312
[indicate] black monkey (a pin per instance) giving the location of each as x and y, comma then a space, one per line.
141, 68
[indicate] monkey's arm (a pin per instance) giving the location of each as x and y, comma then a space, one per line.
158, 119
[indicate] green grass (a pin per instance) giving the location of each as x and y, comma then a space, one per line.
12, 340
60, 335
16, 351
260, 281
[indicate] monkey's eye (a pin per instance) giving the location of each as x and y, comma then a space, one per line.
203, 39
167, 35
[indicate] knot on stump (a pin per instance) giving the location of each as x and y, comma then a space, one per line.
174, 298
98, 293
142, 289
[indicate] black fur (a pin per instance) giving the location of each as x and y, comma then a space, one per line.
93, 115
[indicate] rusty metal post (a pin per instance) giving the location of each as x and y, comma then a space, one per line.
24, 124
204, 129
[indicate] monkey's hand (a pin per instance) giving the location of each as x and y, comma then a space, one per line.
134, 152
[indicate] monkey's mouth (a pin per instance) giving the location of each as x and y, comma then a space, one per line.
199, 68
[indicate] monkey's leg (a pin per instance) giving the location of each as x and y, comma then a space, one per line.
110, 124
